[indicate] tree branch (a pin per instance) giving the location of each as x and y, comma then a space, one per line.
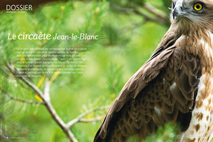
19, 100
158, 17
90, 120
16, 73
148, 18
79, 118
46, 102
154, 11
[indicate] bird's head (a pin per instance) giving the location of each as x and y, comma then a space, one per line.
192, 13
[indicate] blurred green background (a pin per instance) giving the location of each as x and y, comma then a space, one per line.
128, 31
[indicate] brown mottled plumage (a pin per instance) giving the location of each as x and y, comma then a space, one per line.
175, 84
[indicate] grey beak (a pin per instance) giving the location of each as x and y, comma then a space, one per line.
175, 13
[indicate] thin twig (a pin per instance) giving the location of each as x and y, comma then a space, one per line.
154, 11
148, 18
90, 120
16, 73
46, 102
19, 100
79, 118
159, 17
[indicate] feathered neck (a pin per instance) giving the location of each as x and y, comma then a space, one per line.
192, 31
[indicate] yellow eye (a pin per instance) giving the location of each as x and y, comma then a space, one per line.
198, 7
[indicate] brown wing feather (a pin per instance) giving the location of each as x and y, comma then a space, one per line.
162, 90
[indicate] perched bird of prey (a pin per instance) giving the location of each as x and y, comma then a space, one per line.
174, 85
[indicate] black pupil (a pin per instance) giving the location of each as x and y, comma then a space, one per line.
198, 6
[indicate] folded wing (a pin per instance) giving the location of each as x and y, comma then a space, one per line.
162, 90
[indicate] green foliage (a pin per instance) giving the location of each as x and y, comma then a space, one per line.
125, 42
114, 79
168, 133
167, 3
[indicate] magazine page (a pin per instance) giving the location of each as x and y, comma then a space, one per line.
64, 63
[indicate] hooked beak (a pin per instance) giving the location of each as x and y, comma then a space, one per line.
174, 13
177, 12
